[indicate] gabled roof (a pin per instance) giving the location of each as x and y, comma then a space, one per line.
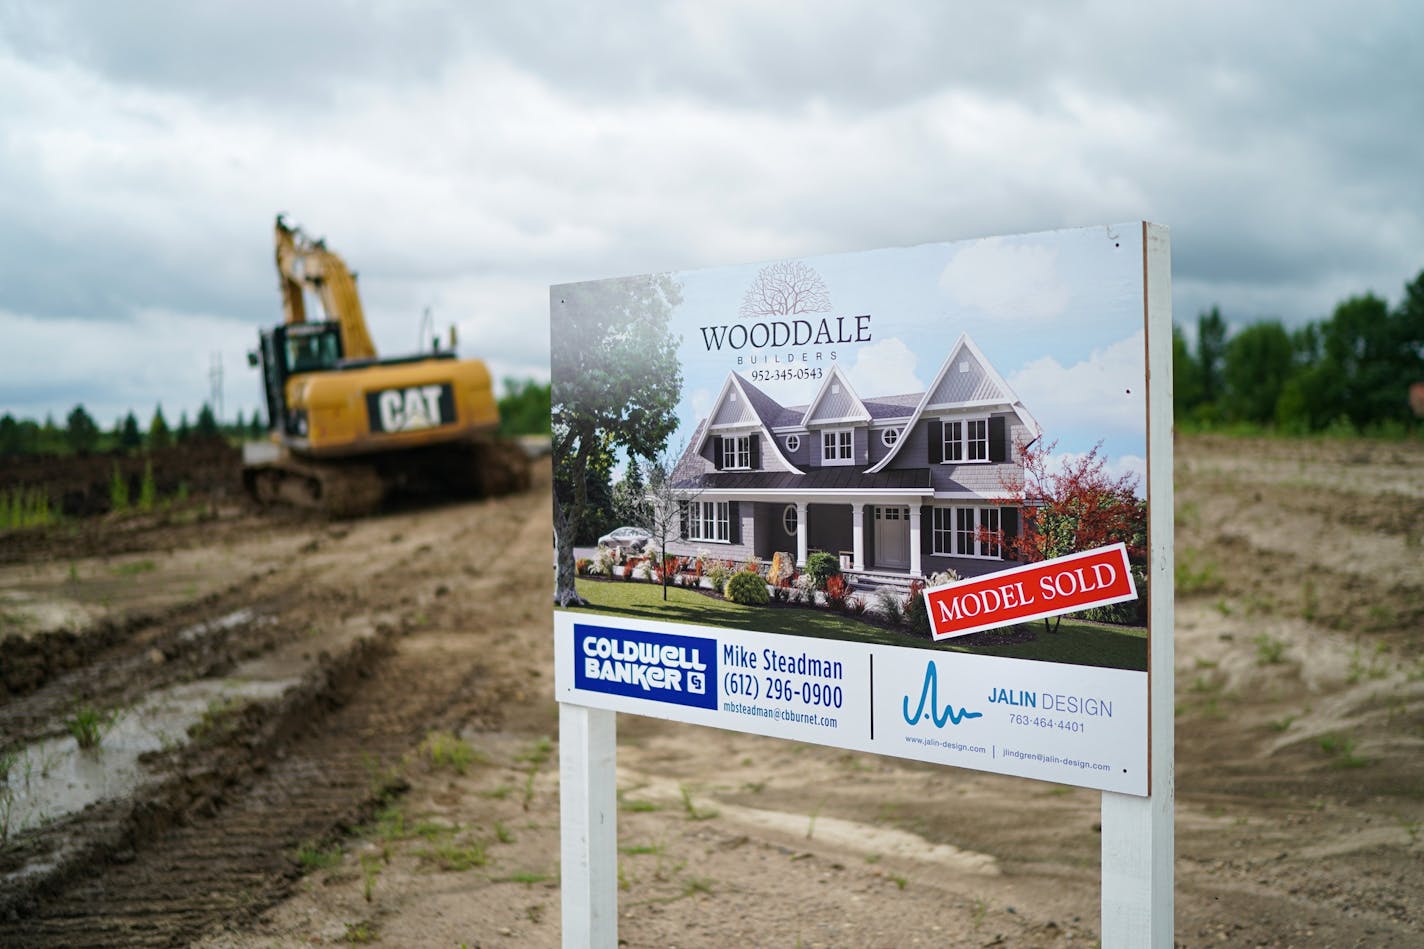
743, 405
965, 379
835, 402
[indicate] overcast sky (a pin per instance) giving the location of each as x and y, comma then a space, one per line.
466, 156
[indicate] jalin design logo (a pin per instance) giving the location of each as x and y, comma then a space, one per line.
929, 692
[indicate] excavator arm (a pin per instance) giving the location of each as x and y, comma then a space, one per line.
302, 263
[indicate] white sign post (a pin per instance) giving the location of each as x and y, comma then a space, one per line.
1139, 844
797, 453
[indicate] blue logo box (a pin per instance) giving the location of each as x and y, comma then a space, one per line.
659, 667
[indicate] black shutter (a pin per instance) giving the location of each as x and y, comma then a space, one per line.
756, 452
926, 530
936, 441
998, 439
717, 458
682, 520
1009, 523
734, 523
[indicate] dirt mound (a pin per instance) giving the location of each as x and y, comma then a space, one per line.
81, 485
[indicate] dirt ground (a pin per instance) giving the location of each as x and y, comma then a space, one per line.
368, 749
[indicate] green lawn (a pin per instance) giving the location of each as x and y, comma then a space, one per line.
1076, 642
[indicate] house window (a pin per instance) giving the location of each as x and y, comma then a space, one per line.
793, 443
736, 451
966, 440
788, 519
708, 520
959, 532
837, 447
889, 437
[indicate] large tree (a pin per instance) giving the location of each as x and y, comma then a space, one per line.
81, 431
1211, 353
616, 381
1259, 361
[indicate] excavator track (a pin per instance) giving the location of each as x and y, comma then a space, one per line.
346, 488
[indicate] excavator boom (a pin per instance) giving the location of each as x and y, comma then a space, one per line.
304, 263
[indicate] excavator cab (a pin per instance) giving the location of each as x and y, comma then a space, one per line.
289, 350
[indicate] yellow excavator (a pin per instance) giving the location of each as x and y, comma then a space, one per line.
348, 428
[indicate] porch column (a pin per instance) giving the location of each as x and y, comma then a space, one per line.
916, 568
857, 533
801, 529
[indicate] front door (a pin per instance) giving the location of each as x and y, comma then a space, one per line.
892, 537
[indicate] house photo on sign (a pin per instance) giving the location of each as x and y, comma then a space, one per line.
894, 501
804, 447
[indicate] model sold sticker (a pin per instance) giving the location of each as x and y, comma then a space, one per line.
1062, 585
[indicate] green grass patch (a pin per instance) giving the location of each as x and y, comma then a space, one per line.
88, 725
444, 750
26, 507
134, 568
1077, 642
456, 858
1194, 573
313, 857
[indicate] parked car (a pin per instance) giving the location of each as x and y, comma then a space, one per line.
632, 539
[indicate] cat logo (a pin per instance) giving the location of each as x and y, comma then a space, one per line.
412, 409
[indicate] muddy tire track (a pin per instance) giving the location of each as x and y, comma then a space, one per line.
216, 840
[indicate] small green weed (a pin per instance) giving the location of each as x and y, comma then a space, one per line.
134, 568
1341, 748
692, 811
313, 857
362, 932
370, 870
638, 850
1196, 574
118, 491
502, 833
1269, 650
444, 750
524, 876
455, 857
26, 507
88, 725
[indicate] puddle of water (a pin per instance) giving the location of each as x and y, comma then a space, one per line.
25, 612
54, 778
230, 621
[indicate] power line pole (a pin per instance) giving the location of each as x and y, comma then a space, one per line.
215, 379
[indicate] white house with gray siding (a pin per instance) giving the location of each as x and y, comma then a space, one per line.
897, 484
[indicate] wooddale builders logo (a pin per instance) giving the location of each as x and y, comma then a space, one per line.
782, 308
642, 665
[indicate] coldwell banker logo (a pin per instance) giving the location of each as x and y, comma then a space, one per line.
657, 666
929, 696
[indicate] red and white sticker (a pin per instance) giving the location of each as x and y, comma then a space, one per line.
1034, 591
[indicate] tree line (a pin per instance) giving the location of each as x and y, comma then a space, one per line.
524, 410
1349, 373
81, 434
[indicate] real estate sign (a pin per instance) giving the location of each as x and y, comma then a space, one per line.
897, 501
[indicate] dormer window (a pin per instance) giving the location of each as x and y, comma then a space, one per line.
736, 452
837, 447
966, 440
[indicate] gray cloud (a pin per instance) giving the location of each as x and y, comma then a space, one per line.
466, 156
